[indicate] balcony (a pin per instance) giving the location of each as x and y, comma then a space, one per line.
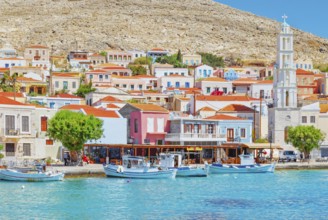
10, 132
194, 137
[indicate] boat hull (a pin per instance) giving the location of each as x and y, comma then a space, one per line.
223, 169
115, 171
13, 175
191, 172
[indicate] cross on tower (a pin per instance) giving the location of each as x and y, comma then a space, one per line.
284, 17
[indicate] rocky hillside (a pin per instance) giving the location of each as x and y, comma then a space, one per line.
191, 25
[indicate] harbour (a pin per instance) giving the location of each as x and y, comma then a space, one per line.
227, 196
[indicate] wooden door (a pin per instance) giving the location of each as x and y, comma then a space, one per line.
230, 135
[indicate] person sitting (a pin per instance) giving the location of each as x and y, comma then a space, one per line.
85, 159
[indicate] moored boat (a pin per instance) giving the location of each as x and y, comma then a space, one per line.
35, 176
246, 165
136, 167
174, 161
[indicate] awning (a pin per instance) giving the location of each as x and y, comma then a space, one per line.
264, 146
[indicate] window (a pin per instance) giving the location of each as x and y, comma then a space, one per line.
177, 84
242, 132
44, 123
10, 124
106, 76
187, 85
56, 84
150, 124
117, 85
196, 129
208, 90
49, 142
312, 119
100, 77
26, 149
160, 124
135, 125
261, 93
182, 74
140, 87
132, 87
168, 84
10, 149
73, 85
225, 90
304, 119
44, 52
90, 76
65, 85
25, 124
165, 74
124, 85
210, 129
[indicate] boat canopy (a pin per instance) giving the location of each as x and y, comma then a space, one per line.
258, 146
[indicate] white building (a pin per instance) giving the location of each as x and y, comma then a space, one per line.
263, 89
12, 61
137, 54
203, 71
175, 81
167, 71
211, 84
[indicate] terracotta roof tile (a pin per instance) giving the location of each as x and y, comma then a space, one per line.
92, 111
110, 99
303, 72
265, 82
11, 94
206, 108
111, 105
184, 99
223, 117
150, 108
37, 46
25, 79
7, 101
224, 98
65, 74
215, 79
236, 108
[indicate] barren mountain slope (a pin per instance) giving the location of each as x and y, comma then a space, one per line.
191, 25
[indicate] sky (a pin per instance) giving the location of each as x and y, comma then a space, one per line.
307, 15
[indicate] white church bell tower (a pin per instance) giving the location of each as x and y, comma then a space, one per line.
284, 86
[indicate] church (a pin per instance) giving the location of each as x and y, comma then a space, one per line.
285, 111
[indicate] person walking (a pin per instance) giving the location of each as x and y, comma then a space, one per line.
66, 158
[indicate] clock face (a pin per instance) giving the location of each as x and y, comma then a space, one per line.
288, 117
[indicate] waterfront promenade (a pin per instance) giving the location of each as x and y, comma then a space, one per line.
96, 170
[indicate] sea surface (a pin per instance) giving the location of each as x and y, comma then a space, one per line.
282, 195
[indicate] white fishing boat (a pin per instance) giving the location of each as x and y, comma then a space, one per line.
246, 165
136, 167
174, 161
30, 176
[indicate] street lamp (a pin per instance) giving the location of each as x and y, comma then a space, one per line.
254, 130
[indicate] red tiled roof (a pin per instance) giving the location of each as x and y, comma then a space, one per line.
92, 111
22, 78
236, 108
206, 108
149, 108
114, 68
11, 58
65, 74
223, 117
244, 81
97, 71
224, 98
111, 105
215, 79
4, 69
7, 101
66, 96
37, 46
157, 49
303, 72
11, 94
110, 99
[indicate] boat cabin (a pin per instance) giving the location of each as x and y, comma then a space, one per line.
170, 160
246, 159
134, 162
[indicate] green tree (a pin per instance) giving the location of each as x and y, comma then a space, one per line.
74, 129
143, 61
305, 138
1, 154
261, 140
8, 82
103, 53
212, 60
138, 70
173, 60
179, 56
84, 89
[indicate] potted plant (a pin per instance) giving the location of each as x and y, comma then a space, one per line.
48, 161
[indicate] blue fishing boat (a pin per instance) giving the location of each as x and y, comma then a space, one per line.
30, 176
136, 167
246, 165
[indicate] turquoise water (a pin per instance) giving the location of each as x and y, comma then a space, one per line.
283, 195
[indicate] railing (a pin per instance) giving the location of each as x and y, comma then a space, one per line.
193, 136
10, 132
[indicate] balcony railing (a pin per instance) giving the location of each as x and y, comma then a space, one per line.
11, 132
193, 136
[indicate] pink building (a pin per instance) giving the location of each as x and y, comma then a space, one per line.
147, 123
